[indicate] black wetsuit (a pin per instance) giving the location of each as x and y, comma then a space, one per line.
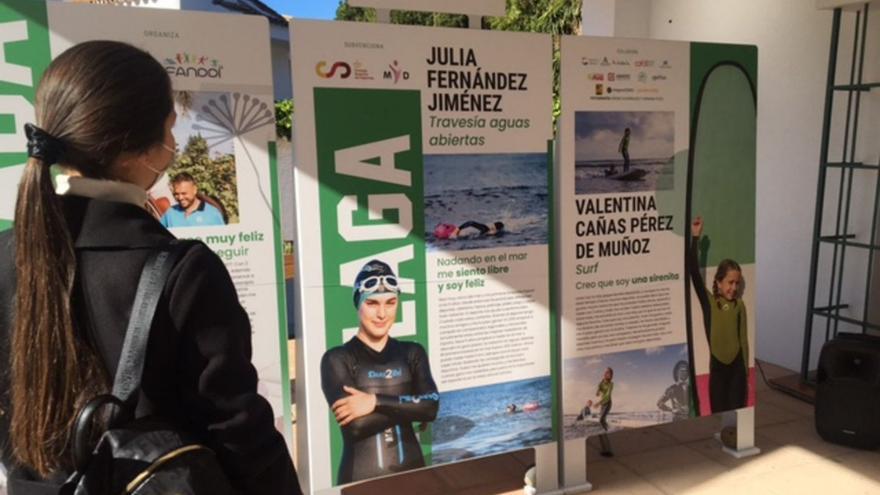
603, 415
624, 150
477, 225
677, 394
382, 442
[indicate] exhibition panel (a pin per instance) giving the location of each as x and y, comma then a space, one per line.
423, 152
225, 157
657, 231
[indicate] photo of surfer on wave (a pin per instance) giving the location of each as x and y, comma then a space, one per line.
624, 151
623, 148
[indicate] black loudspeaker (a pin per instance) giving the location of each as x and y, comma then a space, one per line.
848, 391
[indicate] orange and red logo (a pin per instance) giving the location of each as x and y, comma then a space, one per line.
342, 69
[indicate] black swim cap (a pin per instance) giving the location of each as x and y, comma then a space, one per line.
373, 268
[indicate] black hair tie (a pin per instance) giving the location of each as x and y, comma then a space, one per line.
43, 146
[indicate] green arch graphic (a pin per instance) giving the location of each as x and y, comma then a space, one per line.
723, 167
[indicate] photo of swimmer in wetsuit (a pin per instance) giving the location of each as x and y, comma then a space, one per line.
377, 386
450, 231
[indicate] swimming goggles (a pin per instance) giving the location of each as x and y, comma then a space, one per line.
376, 282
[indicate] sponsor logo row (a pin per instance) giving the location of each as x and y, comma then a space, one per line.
602, 90
622, 62
357, 70
642, 77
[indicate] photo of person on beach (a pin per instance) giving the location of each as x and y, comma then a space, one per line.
725, 320
378, 386
603, 393
624, 152
603, 403
606, 393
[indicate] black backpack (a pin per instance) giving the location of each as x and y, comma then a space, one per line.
140, 456
848, 391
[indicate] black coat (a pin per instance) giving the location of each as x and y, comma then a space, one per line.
198, 371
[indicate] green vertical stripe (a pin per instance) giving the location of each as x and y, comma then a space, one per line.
551, 254
281, 291
346, 118
33, 53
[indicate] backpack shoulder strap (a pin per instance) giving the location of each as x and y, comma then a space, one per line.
127, 383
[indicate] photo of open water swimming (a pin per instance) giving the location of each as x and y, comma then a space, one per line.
485, 201
492, 419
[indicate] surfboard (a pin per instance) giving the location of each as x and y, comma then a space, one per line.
631, 174
720, 174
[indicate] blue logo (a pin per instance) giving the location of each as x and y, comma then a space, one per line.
385, 375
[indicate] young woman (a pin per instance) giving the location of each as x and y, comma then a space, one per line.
68, 276
377, 386
725, 320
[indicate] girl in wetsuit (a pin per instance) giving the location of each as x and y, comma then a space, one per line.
724, 317
603, 392
377, 386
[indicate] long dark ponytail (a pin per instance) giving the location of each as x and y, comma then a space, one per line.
98, 99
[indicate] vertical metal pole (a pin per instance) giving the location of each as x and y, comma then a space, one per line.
848, 173
872, 239
871, 250
843, 173
820, 194
852, 154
